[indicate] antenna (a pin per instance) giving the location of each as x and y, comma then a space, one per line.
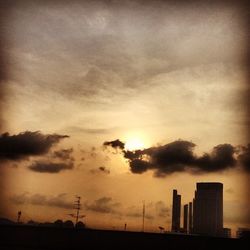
143, 214
77, 207
19, 213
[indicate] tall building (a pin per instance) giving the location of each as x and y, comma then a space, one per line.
176, 211
190, 217
185, 218
208, 209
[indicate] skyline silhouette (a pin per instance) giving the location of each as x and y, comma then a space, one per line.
120, 103
202, 216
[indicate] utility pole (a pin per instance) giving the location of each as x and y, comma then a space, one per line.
143, 215
77, 207
19, 213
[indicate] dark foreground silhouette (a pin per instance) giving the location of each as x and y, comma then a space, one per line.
35, 237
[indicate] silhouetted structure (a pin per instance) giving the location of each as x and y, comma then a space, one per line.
190, 217
58, 223
176, 211
208, 209
242, 232
227, 232
16, 237
185, 218
143, 215
77, 207
80, 224
68, 224
19, 216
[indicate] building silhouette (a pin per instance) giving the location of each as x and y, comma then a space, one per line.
208, 209
227, 232
185, 218
242, 232
190, 217
176, 211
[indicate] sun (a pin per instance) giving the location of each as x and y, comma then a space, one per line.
134, 143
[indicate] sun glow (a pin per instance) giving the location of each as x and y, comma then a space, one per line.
134, 143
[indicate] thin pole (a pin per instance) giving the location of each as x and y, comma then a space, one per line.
143, 215
19, 216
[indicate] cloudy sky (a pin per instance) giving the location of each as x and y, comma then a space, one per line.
120, 102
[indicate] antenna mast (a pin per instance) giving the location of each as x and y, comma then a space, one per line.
77, 207
143, 215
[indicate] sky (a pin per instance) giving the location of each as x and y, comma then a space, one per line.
120, 103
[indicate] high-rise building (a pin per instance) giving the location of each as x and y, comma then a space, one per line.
208, 209
176, 211
185, 218
190, 217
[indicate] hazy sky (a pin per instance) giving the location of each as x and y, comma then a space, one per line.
146, 73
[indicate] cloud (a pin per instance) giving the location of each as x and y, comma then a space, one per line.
222, 157
136, 212
50, 167
101, 169
25, 144
64, 154
244, 157
161, 209
178, 156
115, 144
103, 205
42, 200
104, 170
76, 129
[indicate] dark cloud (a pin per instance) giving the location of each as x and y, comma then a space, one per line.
117, 144
64, 154
178, 156
101, 169
104, 170
139, 166
222, 157
50, 167
244, 157
103, 205
42, 200
25, 144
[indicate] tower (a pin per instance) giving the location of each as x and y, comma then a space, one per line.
185, 218
190, 217
208, 209
176, 211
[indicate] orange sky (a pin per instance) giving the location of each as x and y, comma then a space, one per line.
147, 74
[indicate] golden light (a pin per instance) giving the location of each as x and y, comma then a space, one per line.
134, 143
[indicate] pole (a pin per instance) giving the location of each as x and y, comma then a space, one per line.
19, 216
143, 215
78, 205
